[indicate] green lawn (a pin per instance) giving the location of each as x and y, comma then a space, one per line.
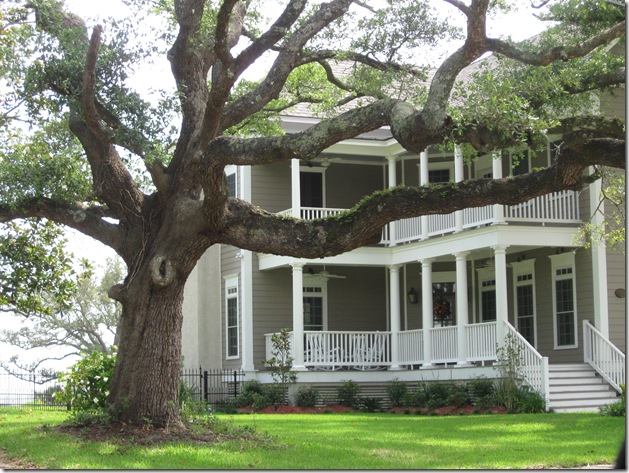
338, 441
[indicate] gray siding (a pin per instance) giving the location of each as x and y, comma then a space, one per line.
272, 186
346, 184
616, 279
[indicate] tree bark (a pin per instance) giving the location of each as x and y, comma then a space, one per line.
146, 380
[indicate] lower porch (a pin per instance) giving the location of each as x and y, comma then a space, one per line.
365, 351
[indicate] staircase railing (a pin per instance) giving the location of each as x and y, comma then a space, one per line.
533, 366
603, 356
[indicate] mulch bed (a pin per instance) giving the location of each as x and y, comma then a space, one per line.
337, 408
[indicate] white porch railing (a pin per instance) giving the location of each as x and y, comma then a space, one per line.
444, 344
411, 347
481, 341
534, 367
603, 356
370, 350
559, 207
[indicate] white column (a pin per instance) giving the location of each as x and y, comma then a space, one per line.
298, 316
462, 314
502, 304
427, 311
394, 285
499, 211
392, 183
458, 177
295, 188
599, 264
246, 271
423, 180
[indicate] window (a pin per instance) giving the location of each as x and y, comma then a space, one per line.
311, 189
487, 295
313, 308
488, 301
231, 185
437, 176
524, 287
232, 188
231, 317
564, 300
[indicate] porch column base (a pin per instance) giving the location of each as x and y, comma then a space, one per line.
396, 368
427, 366
463, 364
299, 368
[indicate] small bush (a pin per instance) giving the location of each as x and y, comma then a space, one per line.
369, 404
458, 395
307, 396
86, 385
616, 409
347, 393
436, 395
529, 402
274, 393
396, 390
482, 392
415, 398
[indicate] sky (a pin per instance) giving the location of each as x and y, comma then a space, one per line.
520, 26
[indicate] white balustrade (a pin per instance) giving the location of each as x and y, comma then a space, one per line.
603, 356
559, 207
481, 341
533, 367
444, 344
411, 347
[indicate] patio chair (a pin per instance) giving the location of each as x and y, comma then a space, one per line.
317, 351
369, 356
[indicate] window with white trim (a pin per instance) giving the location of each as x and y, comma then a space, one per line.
524, 299
232, 188
564, 300
232, 327
487, 289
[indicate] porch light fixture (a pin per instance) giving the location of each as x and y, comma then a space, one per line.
412, 295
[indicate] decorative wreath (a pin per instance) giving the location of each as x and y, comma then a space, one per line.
441, 309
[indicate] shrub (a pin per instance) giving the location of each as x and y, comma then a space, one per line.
347, 393
529, 402
415, 398
85, 387
307, 396
281, 363
274, 393
436, 395
458, 395
369, 404
616, 409
482, 392
396, 390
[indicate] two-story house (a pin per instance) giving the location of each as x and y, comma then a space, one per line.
434, 298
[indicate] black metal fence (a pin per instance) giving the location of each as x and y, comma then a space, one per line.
213, 387
32, 390
36, 391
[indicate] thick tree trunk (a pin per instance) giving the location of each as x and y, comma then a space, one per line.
146, 379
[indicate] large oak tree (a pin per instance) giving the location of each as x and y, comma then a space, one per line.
81, 149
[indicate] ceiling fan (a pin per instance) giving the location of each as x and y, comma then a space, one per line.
325, 275
327, 160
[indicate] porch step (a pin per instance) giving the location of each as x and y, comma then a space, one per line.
578, 388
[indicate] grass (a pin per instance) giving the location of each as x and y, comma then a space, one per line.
337, 441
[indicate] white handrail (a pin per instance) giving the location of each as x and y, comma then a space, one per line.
603, 356
534, 367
